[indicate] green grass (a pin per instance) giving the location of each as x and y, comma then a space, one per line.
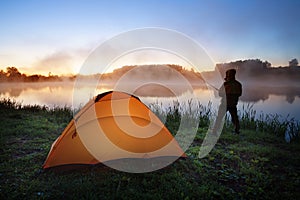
258, 164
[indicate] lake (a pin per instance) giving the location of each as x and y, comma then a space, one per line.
282, 100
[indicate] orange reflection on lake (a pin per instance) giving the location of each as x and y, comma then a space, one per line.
284, 101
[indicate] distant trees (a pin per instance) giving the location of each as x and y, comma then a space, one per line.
12, 74
151, 72
255, 69
245, 68
251, 69
293, 63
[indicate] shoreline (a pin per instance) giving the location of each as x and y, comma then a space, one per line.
254, 164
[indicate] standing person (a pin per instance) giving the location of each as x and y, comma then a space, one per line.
230, 92
233, 90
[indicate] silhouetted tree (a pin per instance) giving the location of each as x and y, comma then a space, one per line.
267, 64
293, 63
3, 76
13, 73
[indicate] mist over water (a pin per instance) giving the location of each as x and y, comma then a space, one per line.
282, 100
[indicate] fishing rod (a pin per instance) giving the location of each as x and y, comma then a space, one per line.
207, 82
212, 86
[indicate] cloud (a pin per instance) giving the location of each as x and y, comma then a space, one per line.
56, 63
60, 62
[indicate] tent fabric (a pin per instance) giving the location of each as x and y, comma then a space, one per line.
113, 125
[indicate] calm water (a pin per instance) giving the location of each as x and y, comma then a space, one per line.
284, 101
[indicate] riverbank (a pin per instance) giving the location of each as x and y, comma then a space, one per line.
258, 164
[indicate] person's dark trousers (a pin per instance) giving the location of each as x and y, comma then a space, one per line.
234, 117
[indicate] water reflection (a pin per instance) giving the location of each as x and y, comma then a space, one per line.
58, 89
50, 94
60, 94
255, 94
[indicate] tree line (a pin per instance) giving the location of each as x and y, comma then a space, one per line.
12, 74
251, 69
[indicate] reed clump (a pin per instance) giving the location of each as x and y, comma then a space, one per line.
194, 112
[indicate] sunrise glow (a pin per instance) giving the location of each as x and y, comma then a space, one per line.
58, 37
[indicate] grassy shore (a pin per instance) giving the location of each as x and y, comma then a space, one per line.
258, 164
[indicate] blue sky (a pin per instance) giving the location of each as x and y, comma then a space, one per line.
57, 36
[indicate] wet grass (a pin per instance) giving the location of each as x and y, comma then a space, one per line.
257, 164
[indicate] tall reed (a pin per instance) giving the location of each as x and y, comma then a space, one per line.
192, 112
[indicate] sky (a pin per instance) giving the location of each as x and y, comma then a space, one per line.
57, 36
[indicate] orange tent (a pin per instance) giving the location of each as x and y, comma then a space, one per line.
113, 125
